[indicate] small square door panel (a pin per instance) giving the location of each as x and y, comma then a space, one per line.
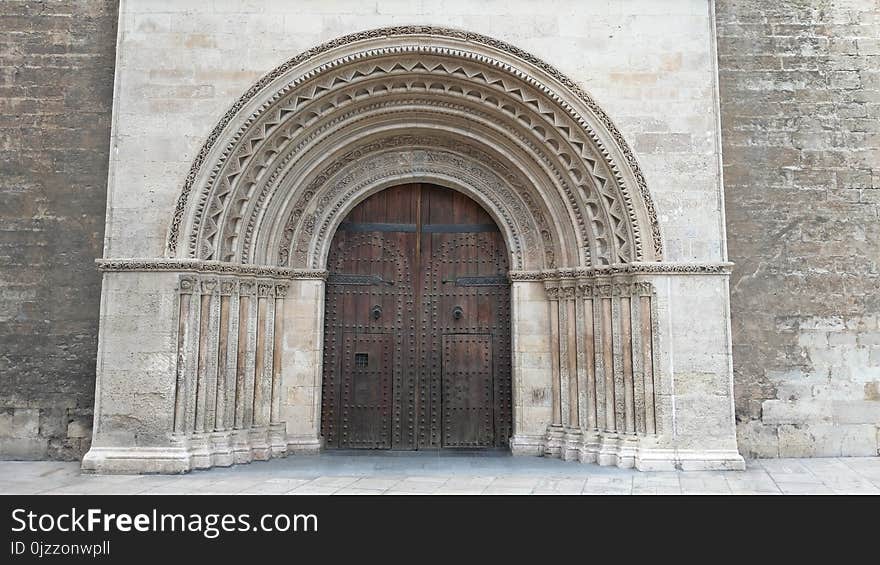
467, 389
367, 369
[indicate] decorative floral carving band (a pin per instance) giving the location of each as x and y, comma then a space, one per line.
624, 269
198, 266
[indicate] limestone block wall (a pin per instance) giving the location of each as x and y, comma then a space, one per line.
56, 87
533, 409
650, 65
303, 345
137, 358
800, 102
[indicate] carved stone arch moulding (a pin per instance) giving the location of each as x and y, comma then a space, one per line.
512, 151
570, 163
474, 149
312, 218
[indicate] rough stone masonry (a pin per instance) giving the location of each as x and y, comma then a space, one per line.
800, 105
56, 85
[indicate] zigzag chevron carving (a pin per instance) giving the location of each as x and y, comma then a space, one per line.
555, 139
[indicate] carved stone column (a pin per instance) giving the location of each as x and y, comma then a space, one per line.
277, 426
586, 357
224, 391
558, 370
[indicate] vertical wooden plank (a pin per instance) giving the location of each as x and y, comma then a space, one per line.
350, 312
410, 366
421, 383
330, 362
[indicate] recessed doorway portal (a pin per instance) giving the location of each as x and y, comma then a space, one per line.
417, 325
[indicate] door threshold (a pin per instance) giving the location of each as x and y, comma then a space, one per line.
440, 452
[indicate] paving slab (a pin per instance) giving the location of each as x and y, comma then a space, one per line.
468, 474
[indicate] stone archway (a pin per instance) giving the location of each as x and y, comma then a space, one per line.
594, 307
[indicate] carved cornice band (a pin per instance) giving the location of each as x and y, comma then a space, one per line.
220, 267
723, 268
198, 266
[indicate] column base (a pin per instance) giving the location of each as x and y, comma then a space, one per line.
137, 460
690, 460
627, 451
527, 445
195, 451
305, 445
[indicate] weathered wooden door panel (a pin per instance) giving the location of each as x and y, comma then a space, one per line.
467, 386
366, 414
426, 266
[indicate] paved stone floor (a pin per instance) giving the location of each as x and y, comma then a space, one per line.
342, 473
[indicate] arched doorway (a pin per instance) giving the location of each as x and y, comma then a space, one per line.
620, 349
417, 325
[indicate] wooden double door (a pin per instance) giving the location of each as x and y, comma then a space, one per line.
417, 325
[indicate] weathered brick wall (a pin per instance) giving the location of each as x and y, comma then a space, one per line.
800, 103
56, 86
